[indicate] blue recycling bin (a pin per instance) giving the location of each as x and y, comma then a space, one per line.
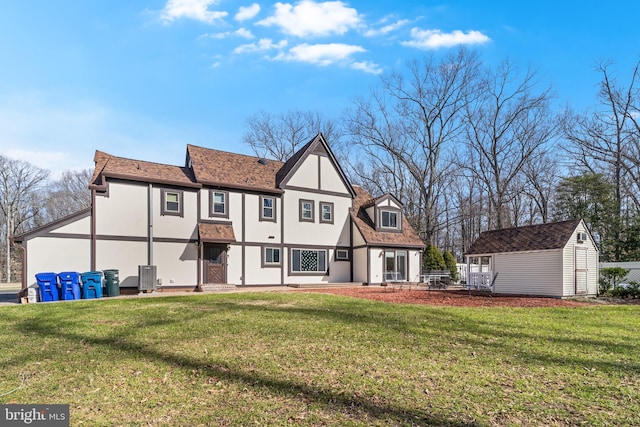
48, 286
69, 285
91, 284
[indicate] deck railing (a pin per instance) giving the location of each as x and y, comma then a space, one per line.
480, 280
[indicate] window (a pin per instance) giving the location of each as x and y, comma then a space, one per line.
308, 261
326, 212
267, 208
342, 255
306, 210
171, 203
395, 266
219, 204
389, 219
271, 257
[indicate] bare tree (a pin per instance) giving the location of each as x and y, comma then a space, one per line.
279, 136
67, 195
19, 180
408, 126
606, 140
509, 124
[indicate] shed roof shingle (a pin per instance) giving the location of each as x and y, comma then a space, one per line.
538, 237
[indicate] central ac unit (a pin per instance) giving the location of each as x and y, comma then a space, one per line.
146, 278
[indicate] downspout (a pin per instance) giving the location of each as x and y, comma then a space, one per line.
93, 231
150, 222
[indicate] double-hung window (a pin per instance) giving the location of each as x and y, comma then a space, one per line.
306, 210
309, 261
219, 204
267, 208
171, 203
326, 212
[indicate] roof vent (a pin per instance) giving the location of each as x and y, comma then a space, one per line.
262, 161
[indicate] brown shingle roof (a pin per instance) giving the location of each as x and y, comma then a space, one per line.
408, 237
138, 170
538, 237
217, 233
220, 168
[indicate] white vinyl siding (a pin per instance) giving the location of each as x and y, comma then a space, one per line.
529, 273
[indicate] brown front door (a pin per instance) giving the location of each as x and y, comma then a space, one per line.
215, 263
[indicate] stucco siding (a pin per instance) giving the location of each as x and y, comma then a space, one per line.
234, 265
172, 226
81, 226
316, 233
376, 265
57, 255
415, 261
358, 240
360, 265
529, 273
330, 178
255, 274
176, 263
123, 256
307, 174
259, 231
124, 211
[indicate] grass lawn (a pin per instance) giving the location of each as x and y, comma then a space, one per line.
310, 359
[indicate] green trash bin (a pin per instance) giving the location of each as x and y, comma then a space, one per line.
111, 283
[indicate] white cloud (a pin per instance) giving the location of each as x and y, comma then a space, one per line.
247, 12
320, 54
386, 29
240, 32
434, 39
192, 9
367, 67
308, 18
260, 46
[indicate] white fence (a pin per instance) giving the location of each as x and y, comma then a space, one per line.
633, 267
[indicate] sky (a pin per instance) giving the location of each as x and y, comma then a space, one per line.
142, 79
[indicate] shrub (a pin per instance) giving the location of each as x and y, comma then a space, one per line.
450, 262
610, 278
433, 259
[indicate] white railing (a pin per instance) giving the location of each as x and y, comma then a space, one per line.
480, 280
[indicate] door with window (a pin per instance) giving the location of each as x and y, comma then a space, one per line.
215, 263
395, 265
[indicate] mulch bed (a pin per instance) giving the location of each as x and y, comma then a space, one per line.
446, 298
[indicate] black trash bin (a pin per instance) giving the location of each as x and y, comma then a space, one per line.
112, 282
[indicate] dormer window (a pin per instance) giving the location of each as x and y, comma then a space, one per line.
389, 219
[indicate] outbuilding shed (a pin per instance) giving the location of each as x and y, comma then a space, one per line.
557, 259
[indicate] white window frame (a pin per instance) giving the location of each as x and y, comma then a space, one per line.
390, 213
264, 217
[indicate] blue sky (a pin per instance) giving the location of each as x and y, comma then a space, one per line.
142, 79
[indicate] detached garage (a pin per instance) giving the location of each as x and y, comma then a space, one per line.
557, 259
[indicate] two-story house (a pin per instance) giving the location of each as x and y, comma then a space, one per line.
226, 218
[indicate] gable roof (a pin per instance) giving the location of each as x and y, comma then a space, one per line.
554, 235
317, 143
138, 170
224, 169
408, 238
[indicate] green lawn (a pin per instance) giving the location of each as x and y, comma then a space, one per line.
310, 359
